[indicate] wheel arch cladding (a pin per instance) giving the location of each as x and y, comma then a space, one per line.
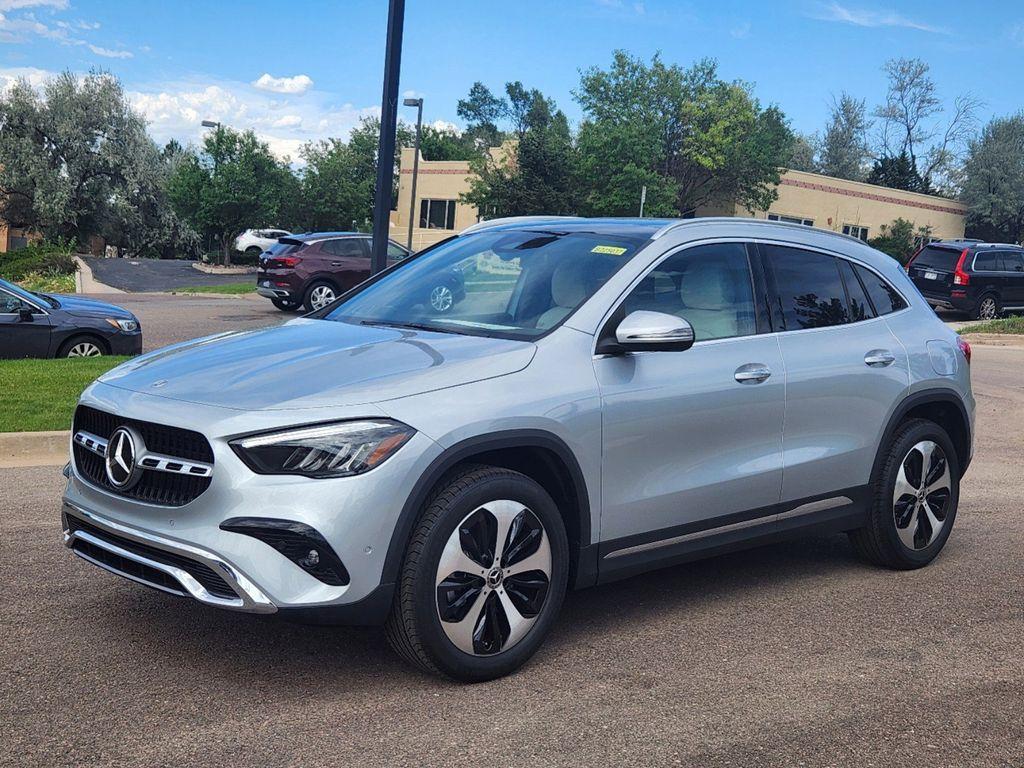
945, 408
541, 456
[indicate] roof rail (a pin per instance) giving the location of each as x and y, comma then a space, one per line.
747, 220
489, 223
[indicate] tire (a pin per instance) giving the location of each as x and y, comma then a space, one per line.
286, 305
988, 308
900, 532
253, 252
456, 517
82, 346
316, 293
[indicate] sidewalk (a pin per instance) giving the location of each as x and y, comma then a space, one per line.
86, 283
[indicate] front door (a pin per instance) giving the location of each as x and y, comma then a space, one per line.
22, 337
692, 440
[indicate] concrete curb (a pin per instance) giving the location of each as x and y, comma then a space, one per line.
86, 283
34, 449
996, 339
209, 269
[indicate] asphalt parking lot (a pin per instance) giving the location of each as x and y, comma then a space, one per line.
147, 275
795, 654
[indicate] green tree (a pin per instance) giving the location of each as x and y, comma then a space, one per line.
447, 144
482, 111
232, 184
897, 173
536, 173
804, 154
709, 139
900, 239
844, 147
340, 176
75, 160
993, 186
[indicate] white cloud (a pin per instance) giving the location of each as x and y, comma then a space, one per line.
17, 5
176, 109
867, 17
36, 77
1017, 34
109, 53
298, 84
741, 31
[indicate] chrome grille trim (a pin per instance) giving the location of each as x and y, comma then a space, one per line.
89, 441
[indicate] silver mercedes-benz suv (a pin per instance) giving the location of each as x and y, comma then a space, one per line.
610, 396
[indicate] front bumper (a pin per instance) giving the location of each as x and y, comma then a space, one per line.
357, 517
125, 343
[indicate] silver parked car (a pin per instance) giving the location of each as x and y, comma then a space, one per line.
611, 396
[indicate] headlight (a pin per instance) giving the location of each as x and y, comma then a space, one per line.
128, 326
327, 450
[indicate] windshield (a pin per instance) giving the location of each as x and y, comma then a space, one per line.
32, 298
510, 284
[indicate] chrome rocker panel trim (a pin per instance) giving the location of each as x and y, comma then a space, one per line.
250, 598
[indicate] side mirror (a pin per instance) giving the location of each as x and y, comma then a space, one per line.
643, 331
25, 315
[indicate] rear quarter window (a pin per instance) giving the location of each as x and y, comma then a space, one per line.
885, 298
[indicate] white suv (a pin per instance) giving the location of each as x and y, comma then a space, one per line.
253, 242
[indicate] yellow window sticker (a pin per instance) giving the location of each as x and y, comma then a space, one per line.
611, 250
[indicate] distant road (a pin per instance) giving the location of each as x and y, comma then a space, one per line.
149, 275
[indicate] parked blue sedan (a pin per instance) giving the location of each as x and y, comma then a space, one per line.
44, 325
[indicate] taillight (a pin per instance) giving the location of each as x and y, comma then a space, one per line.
959, 276
965, 348
284, 261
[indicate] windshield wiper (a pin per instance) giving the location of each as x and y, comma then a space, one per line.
411, 326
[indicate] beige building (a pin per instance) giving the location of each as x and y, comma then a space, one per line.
844, 206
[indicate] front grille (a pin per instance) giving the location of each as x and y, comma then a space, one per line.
205, 575
168, 489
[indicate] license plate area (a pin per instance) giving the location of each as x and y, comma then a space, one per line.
931, 275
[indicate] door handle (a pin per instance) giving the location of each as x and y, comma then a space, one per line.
337, 264
752, 373
879, 358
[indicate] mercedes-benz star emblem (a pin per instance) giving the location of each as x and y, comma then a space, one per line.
120, 459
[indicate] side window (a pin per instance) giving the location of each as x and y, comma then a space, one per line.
860, 306
883, 296
1013, 261
710, 286
347, 247
810, 292
987, 261
396, 252
9, 304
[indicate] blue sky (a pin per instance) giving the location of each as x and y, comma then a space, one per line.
304, 69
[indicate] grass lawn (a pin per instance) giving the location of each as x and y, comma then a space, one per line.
49, 281
40, 395
1006, 325
231, 288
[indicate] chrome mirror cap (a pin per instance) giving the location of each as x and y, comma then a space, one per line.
654, 331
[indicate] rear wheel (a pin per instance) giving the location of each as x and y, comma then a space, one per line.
441, 299
484, 576
914, 501
319, 295
81, 346
988, 308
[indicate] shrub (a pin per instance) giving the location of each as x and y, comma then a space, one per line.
51, 257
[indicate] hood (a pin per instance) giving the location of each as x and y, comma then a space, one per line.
81, 307
315, 364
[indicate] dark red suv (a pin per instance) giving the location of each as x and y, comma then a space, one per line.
314, 269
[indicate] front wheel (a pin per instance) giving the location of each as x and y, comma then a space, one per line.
441, 299
484, 576
914, 498
81, 346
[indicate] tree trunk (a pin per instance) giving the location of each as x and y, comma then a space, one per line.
226, 242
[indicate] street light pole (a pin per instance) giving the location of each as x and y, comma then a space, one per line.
216, 138
418, 103
386, 144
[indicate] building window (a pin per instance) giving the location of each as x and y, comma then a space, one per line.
790, 219
856, 230
437, 214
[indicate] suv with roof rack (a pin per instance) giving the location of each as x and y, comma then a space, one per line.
608, 398
982, 279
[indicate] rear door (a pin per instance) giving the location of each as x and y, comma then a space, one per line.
844, 372
349, 260
932, 270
